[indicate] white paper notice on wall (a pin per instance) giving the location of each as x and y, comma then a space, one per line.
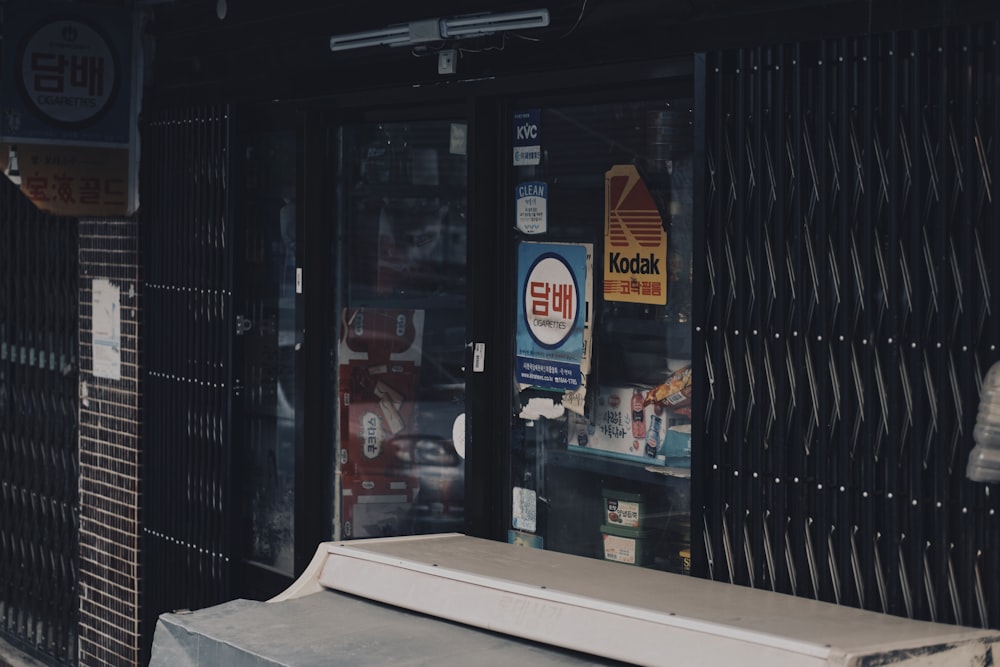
523, 511
106, 329
531, 203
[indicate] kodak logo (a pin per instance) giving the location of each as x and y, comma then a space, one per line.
636, 264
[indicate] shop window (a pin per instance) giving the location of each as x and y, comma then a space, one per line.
266, 343
600, 446
401, 394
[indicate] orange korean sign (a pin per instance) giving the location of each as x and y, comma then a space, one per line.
76, 180
635, 244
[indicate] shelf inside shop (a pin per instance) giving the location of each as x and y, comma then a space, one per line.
408, 191
651, 328
604, 465
402, 302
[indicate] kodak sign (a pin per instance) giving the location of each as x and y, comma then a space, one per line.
635, 244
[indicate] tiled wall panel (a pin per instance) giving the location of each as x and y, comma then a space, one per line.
110, 448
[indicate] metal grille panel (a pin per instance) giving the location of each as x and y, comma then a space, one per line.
850, 313
38, 428
186, 543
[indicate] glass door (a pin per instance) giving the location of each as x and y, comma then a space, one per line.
401, 312
267, 341
601, 437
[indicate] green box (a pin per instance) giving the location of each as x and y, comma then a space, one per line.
630, 510
627, 545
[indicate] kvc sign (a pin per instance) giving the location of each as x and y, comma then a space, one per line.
527, 137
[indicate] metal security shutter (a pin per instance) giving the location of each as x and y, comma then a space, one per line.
851, 309
39, 519
185, 464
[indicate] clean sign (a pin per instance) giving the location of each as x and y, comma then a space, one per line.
531, 204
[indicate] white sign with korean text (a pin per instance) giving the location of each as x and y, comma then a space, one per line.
106, 320
531, 199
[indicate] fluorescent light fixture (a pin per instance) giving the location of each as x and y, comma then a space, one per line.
485, 24
392, 36
433, 30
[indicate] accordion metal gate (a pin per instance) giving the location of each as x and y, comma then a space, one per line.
39, 518
185, 474
851, 309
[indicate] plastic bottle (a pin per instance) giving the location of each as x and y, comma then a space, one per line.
638, 415
984, 459
653, 437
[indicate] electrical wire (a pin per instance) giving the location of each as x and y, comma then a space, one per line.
576, 24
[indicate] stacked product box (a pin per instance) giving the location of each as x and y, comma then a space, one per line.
630, 527
637, 423
380, 353
377, 506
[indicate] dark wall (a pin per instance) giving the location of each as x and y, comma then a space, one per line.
268, 50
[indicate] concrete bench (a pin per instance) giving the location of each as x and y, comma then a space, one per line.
587, 610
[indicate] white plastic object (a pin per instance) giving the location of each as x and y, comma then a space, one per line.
984, 459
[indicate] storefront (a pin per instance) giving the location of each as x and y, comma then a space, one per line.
439, 241
704, 286
639, 308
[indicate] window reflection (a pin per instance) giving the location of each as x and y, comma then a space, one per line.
402, 331
268, 344
604, 472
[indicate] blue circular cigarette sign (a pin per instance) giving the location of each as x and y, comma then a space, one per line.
551, 300
68, 72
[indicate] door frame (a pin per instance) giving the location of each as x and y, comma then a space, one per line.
487, 105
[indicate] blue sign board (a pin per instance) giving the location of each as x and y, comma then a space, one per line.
550, 305
67, 74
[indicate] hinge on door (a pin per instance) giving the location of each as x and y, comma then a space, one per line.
243, 325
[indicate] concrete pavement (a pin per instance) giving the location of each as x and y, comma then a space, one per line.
10, 656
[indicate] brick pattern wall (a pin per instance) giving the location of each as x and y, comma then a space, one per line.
110, 447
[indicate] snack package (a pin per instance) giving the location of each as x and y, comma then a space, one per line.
675, 392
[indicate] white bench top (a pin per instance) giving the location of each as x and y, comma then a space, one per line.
627, 613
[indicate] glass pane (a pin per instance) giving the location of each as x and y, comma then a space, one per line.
402, 329
601, 445
269, 338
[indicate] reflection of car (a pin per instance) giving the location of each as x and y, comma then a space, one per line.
439, 473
